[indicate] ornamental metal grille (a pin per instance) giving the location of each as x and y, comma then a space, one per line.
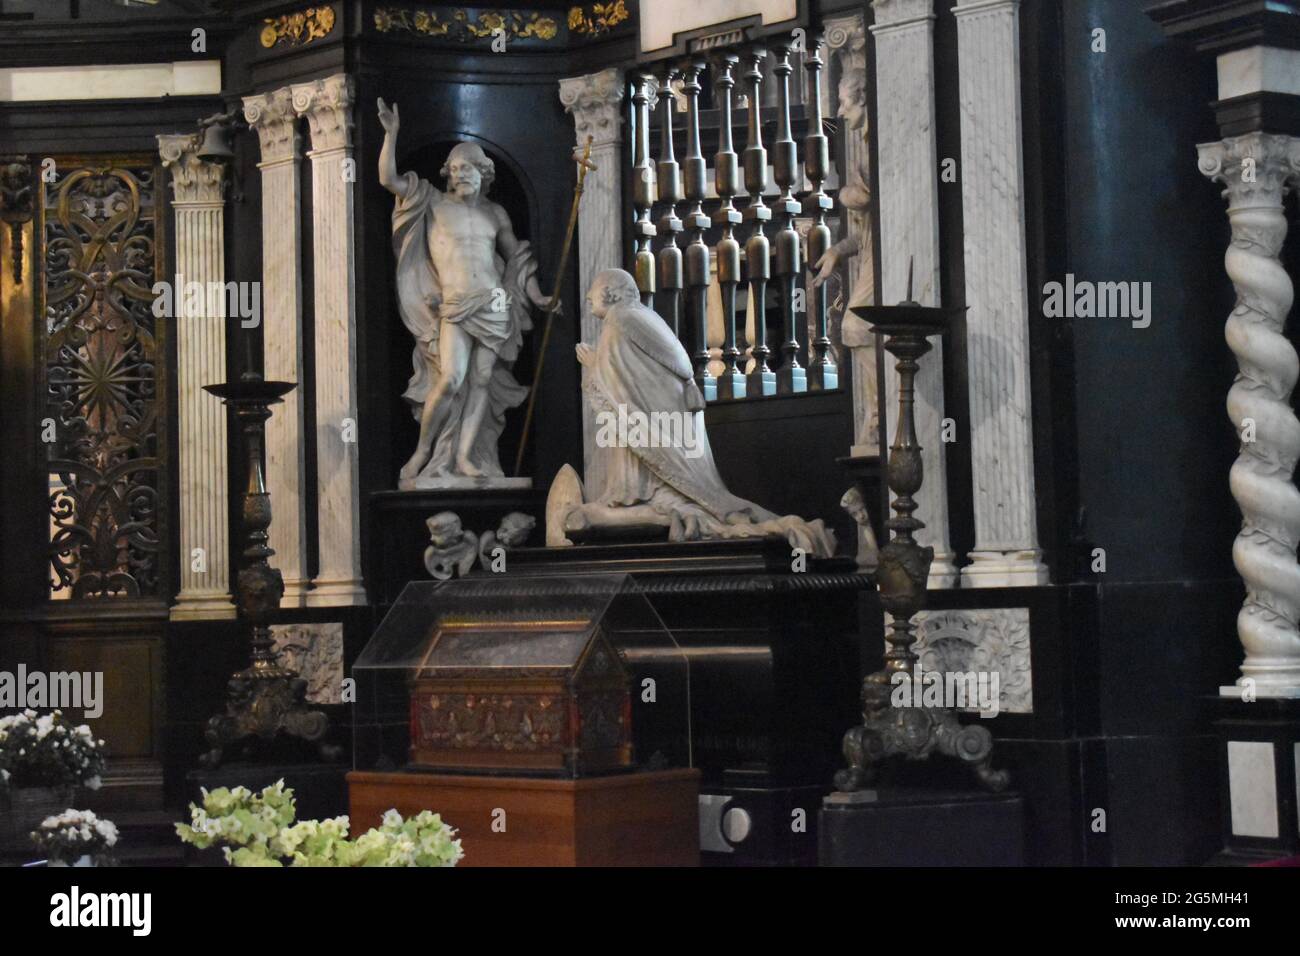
103, 386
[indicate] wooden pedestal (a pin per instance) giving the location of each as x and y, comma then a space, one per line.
633, 819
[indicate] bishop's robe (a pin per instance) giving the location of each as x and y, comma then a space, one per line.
640, 365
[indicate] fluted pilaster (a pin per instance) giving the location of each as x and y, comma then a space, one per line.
327, 104
909, 227
595, 101
1006, 550
200, 360
271, 115
1256, 170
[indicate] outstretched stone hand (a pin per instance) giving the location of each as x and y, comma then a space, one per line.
388, 118
826, 266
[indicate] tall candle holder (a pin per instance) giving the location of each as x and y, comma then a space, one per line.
265, 699
913, 732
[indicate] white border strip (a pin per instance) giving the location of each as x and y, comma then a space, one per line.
26, 84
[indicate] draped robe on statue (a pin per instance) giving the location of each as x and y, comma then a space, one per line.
423, 310
640, 365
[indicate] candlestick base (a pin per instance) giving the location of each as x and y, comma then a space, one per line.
916, 733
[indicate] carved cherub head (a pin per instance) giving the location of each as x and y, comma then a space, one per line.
468, 170
852, 503
515, 528
445, 530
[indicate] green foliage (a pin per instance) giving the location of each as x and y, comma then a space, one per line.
259, 830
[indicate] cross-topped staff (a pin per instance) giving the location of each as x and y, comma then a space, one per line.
584, 165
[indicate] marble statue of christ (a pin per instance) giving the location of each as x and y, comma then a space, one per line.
464, 285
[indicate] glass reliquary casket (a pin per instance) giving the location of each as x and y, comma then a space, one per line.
518, 674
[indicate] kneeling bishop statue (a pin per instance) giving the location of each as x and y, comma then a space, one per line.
464, 284
639, 371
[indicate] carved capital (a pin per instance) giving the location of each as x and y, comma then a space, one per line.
847, 34
1255, 168
327, 104
193, 180
272, 115
595, 102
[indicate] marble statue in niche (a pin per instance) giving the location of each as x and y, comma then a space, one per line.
856, 197
465, 287
659, 469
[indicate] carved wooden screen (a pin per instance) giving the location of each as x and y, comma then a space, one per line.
102, 378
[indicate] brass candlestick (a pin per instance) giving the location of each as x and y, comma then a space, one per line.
264, 700
911, 732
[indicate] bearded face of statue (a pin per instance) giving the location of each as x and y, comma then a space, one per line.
464, 178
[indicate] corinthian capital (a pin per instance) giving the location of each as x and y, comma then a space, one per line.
327, 104
193, 179
595, 101
273, 116
1256, 168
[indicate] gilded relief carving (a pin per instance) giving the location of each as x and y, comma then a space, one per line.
466, 26
597, 19
297, 29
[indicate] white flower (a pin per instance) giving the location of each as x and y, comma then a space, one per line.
94, 783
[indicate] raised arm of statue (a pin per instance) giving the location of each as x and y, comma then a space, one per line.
388, 178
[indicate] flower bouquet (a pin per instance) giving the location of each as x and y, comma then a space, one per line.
259, 830
42, 758
75, 838
48, 751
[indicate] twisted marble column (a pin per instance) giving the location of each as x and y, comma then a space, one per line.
1257, 169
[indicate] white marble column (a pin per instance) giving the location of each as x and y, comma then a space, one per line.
595, 101
272, 116
327, 104
198, 202
1006, 552
909, 231
1256, 170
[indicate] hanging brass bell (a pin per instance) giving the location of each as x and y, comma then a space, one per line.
216, 143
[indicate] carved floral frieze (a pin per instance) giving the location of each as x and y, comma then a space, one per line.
598, 18
299, 28
466, 26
